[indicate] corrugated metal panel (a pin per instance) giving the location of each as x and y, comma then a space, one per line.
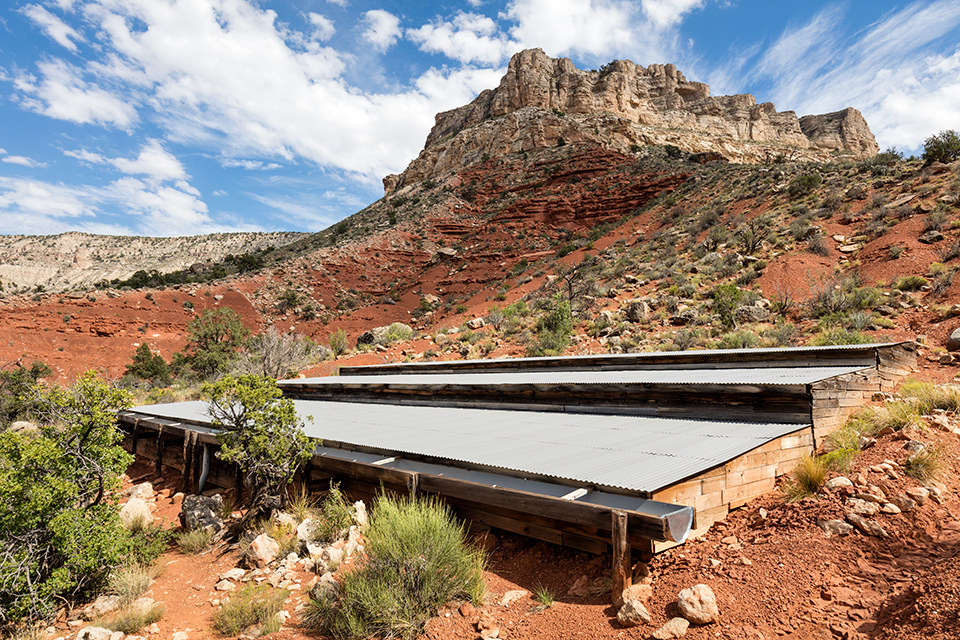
778, 376
634, 453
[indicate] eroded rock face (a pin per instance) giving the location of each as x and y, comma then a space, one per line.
542, 102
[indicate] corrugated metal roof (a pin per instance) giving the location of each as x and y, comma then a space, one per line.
634, 453
777, 376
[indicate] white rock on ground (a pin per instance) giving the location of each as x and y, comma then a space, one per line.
512, 596
94, 633
698, 604
633, 614
641, 592
101, 607
135, 513
263, 550
675, 628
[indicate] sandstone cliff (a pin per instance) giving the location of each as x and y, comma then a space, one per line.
542, 101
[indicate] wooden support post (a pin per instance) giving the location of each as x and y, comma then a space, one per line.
136, 437
413, 484
622, 565
158, 466
189, 444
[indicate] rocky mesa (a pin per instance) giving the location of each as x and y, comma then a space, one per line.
543, 102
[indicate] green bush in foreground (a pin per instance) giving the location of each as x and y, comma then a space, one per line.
417, 560
808, 478
60, 539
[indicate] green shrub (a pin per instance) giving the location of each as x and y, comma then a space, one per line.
803, 185
52, 547
930, 397
195, 541
942, 147
335, 514
417, 560
338, 343
839, 336
909, 283
926, 465
808, 478
726, 299
544, 598
251, 605
130, 582
131, 620
214, 339
553, 330
398, 332
742, 339
260, 431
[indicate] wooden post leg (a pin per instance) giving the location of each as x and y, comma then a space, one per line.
158, 466
622, 569
413, 485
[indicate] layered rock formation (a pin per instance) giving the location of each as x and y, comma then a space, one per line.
542, 101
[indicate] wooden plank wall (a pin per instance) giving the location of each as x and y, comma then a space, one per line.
714, 493
834, 400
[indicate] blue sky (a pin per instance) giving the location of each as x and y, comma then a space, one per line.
181, 117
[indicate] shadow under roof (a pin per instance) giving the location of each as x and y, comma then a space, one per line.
626, 453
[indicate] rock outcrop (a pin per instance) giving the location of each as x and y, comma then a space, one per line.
543, 101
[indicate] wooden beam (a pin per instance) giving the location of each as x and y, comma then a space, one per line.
622, 565
574, 495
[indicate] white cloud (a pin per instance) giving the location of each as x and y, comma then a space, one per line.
309, 214
340, 3
383, 28
669, 13
54, 27
252, 165
85, 156
23, 161
219, 192
22, 199
475, 3
153, 161
469, 37
61, 93
323, 27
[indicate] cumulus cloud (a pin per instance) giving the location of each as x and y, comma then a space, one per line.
252, 165
61, 93
383, 28
669, 13
469, 37
55, 28
323, 27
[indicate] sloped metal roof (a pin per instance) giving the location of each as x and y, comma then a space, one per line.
775, 376
633, 453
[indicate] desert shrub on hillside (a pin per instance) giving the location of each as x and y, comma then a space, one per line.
808, 478
149, 366
16, 401
839, 336
942, 147
726, 299
213, 340
553, 330
803, 184
840, 295
60, 539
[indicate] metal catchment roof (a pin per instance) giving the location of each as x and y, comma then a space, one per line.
635, 454
756, 376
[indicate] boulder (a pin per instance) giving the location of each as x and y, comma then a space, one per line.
637, 311
476, 323
94, 633
262, 551
752, 313
675, 628
633, 614
641, 592
861, 507
144, 491
953, 342
308, 530
102, 606
201, 512
839, 482
360, 514
22, 426
135, 514
698, 604
931, 237
327, 587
